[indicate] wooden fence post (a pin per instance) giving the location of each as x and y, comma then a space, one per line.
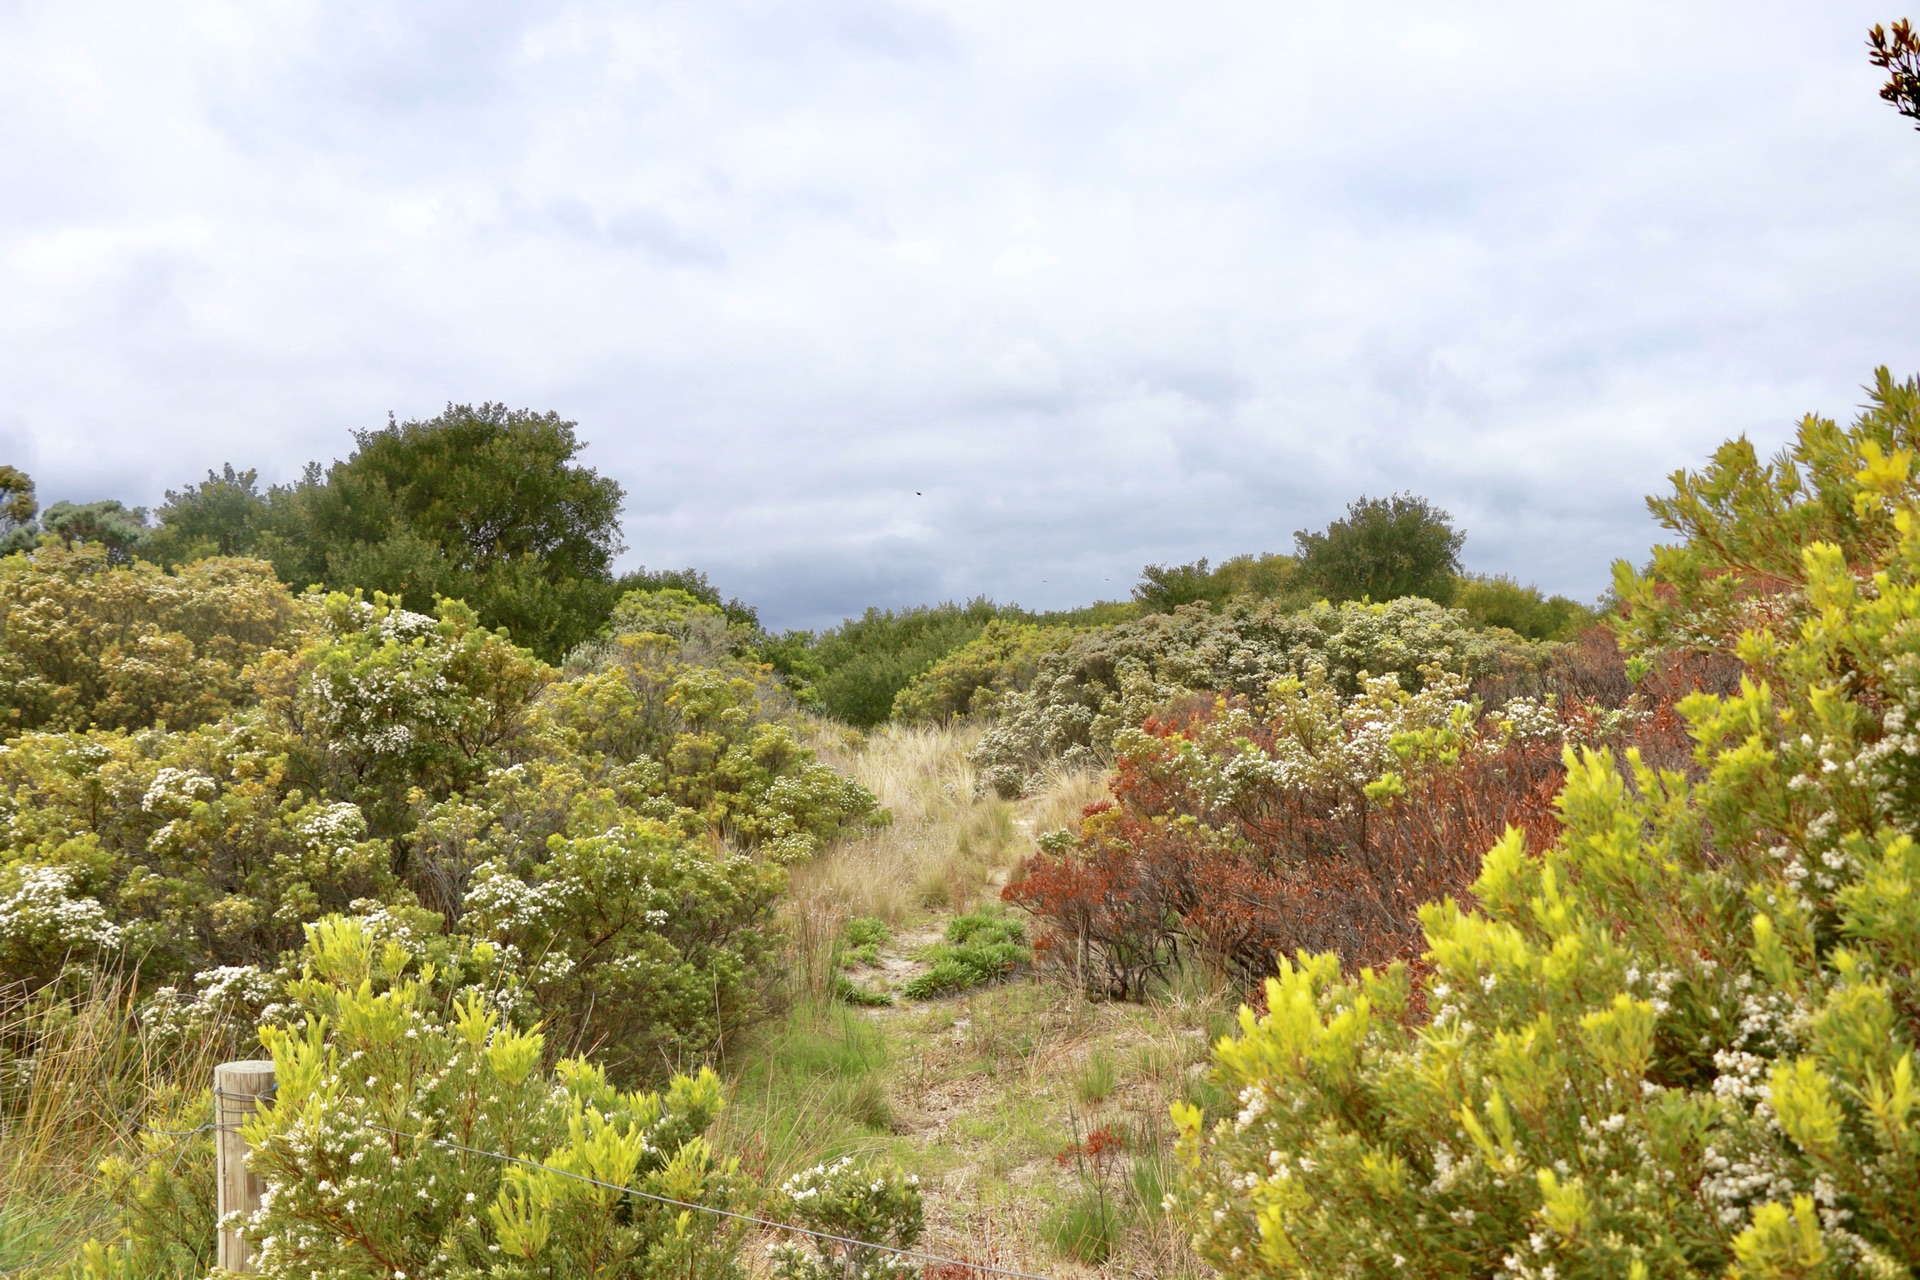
237, 1090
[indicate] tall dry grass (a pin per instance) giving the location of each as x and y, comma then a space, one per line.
941, 844
946, 845
80, 1081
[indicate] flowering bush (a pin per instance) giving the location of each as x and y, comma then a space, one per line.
1109, 680
1677, 1038
195, 845
876, 1203
388, 1090
389, 762
44, 926
387, 702
87, 644
638, 945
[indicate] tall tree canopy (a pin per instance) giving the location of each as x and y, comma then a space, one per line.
482, 503
1383, 549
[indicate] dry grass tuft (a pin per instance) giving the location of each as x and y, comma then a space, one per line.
943, 846
79, 1081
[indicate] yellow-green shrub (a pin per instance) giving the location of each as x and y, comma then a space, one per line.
974, 678
85, 643
383, 1076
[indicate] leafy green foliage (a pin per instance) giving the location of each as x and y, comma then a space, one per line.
481, 503
87, 644
382, 1077
1164, 588
226, 515
18, 511
1105, 681
865, 662
976, 677
387, 703
1678, 1038
108, 524
874, 1202
1496, 600
1383, 549
640, 947
981, 947
616, 833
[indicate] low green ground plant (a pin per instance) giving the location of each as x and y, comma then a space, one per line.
981, 947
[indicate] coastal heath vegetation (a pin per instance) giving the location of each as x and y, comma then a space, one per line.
1671, 1030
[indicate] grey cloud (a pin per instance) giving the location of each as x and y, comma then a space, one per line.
1105, 284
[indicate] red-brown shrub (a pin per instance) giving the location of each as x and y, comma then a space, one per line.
1161, 872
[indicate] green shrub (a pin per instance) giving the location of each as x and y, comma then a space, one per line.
480, 503
618, 830
976, 677
639, 946
377, 1072
1679, 1039
1164, 588
981, 947
1495, 600
865, 662
86, 643
1381, 550
1109, 680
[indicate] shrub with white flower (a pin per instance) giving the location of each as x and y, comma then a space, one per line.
1108, 681
387, 1089
875, 1203
45, 925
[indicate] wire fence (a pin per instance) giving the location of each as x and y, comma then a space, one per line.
964, 1267
953, 1266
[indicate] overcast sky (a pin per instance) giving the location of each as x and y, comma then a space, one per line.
885, 303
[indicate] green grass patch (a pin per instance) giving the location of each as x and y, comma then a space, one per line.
865, 931
981, 947
861, 996
1085, 1228
812, 1089
1097, 1078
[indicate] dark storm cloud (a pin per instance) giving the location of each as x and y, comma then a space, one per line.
887, 303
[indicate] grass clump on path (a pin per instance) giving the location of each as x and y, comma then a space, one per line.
981, 947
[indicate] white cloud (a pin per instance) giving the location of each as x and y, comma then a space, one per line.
880, 302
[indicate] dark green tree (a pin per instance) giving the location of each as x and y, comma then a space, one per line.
861, 665
226, 515
1383, 549
1164, 588
108, 523
18, 509
482, 503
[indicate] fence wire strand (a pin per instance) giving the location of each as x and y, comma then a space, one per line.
751, 1219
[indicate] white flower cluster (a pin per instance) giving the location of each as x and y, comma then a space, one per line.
173, 792
41, 920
